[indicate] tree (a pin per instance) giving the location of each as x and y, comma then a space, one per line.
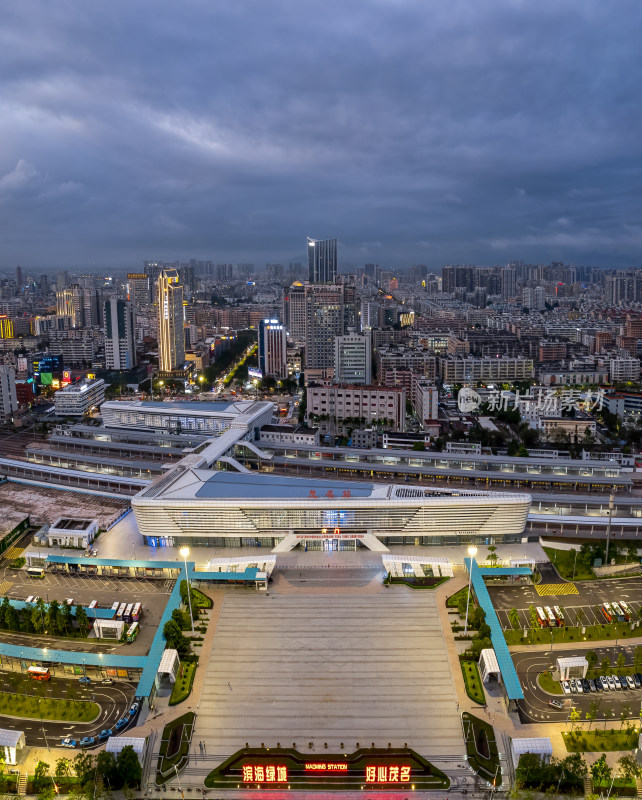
174, 637
82, 620
63, 768
628, 767
513, 618
84, 767
605, 666
52, 617
575, 767
591, 658
177, 616
492, 554
107, 769
66, 617
574, 717
600, 770
4, 608
128, 766
41, 776
593, 711
532, 612
621, 661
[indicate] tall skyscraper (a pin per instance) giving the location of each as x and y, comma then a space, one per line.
329, 310
120, 343
171, 339
8, 398
353, 358
322, 260
19, 278
139, 290
294, 312
509, 282
273, 348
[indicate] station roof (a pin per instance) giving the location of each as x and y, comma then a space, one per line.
211, 406
117, 562
72, 657
225, 485
506, 666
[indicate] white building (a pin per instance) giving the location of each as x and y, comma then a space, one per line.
68, 532
289, 434
79, 398
109, 629
624, 368
8, 397
353, 358
339, 403
470, 370
273, 348
120, 341
426, 401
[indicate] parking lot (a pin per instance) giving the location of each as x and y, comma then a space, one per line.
153, 595
610, 705
579, 609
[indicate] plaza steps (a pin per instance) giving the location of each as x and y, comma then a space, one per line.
22, 783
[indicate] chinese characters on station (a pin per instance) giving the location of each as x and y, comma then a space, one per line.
382, 773
270, 773
329, 494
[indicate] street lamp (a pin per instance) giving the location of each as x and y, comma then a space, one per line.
472, 552
184, 551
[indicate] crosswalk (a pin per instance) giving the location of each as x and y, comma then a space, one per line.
544, 589
13, 552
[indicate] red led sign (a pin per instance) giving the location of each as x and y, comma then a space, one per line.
270, 773
381, 773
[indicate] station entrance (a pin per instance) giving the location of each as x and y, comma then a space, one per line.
330, 542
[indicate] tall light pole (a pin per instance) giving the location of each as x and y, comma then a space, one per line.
472, 552
184, 551
608, 530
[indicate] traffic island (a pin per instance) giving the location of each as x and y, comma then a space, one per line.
17, 705
372, 769
481, 749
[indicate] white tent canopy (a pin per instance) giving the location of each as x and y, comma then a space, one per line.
573, 667
116, 743
541, 747
489, 666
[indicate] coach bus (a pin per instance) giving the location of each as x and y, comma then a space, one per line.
137, 612
35, 572
132, 632
541, 617
559, 616
626, 610
39, 673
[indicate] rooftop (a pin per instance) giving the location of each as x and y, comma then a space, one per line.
226, 485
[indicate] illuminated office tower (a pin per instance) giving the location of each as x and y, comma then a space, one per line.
273, 348
171, 338
120, 342
322, 260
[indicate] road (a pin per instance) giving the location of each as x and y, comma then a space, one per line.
535, 708
114, 702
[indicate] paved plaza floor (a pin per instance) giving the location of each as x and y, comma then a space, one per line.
329, 656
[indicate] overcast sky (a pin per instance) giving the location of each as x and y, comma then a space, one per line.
416, 131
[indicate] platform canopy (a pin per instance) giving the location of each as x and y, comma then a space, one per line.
541, 747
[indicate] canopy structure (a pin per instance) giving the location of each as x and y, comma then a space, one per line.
10, 742
489, 666
541, 747
573, 667
116, 743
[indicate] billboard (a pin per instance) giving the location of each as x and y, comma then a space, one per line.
254, 374
46, 378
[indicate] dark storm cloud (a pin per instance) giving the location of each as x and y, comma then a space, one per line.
414, 131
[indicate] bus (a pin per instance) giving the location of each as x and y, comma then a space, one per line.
93, 604
137, 612
552, 621
39, 673
132, 633
559, 616
542, 618
35, 572
114, 608
618, 612
127, 616
628, 614
121, 610
608, 612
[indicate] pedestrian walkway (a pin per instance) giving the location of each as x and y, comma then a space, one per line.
544, 589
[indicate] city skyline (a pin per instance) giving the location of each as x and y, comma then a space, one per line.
415, 133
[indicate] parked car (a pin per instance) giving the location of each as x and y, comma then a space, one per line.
107, 681
630, 682
592, 686
68, 743
105, 734
555, 703
611, 681
586, 686
616, 682
637, 680
566, 687
604, 683
87, 740
579, 686
121, 723
134, 709
85, 679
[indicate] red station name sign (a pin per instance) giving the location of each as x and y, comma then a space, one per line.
278, 773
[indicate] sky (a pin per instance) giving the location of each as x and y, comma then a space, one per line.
415, 131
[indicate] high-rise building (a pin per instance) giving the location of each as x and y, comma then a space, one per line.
539, 298
171, 339
448, 279
322, 260
294, 312
509, 282
19, 278
120, 342
329, 311
62, 279
8, 398
353, 358
65, 303
139, 290
273, 348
